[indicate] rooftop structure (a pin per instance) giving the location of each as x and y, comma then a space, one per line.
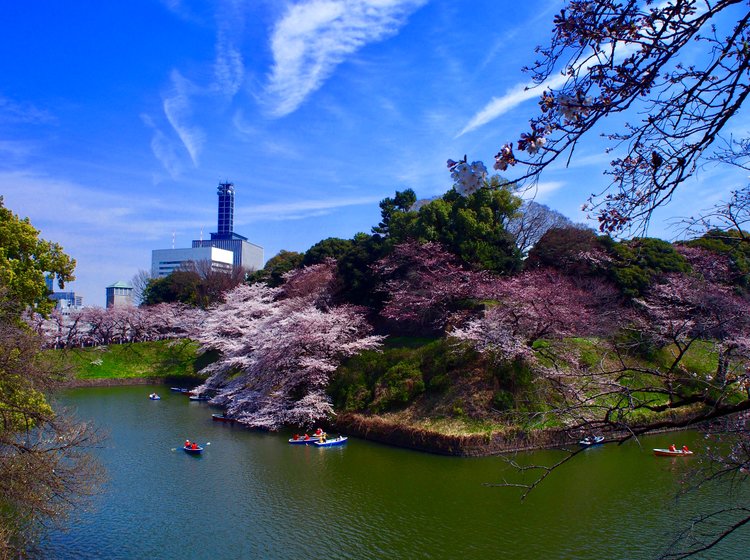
119, 294
246, 255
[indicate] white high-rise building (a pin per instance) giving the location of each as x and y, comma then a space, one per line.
166, 261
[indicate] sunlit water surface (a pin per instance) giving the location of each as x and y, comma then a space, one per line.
252, 495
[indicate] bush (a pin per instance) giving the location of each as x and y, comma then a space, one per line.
400, 384
502, 400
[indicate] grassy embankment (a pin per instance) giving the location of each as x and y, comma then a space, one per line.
167, 361
421, 385
431, 386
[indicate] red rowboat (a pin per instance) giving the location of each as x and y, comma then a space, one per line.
668, 453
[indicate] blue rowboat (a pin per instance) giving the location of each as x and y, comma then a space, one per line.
341, 440
198, 398
154, 397
191, 451
589, 441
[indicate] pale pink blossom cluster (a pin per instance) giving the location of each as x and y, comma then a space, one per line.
96, 326
467, 178
277, 352
540, 304
505, 158
423, 281
574, 107
681, 310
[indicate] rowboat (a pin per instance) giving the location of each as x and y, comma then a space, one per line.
198, 398
191, 451
591, 440
177, 389
669, 453
303, 441
154, 397
341, 440
222, 418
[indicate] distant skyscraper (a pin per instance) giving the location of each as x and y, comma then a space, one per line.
247, 255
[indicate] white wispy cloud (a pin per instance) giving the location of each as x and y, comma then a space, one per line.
164, 149
16, 112
520, 93
95, 212
229, 67
178, 110
312, 38
298, 209
541, 191
516, 95
14, 151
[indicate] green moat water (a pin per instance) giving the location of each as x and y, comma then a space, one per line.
252, 495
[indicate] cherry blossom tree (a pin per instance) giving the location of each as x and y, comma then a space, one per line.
540, 303
682, 310
116, 325
424, 282
317, 283
277, 352
467, 178
624, 397
712, 267
680, 68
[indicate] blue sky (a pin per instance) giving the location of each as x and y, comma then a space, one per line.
118, 119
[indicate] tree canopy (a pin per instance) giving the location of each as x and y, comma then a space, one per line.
25, 261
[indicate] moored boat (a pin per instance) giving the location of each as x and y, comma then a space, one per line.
198, 398
591, 440
671, 453
154, 397
341, 440
222, 418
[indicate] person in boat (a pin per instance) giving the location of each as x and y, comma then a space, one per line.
307, 437
672, 447
322, 437
319, 432
295, 437
187, 443
685, 449
193, 445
